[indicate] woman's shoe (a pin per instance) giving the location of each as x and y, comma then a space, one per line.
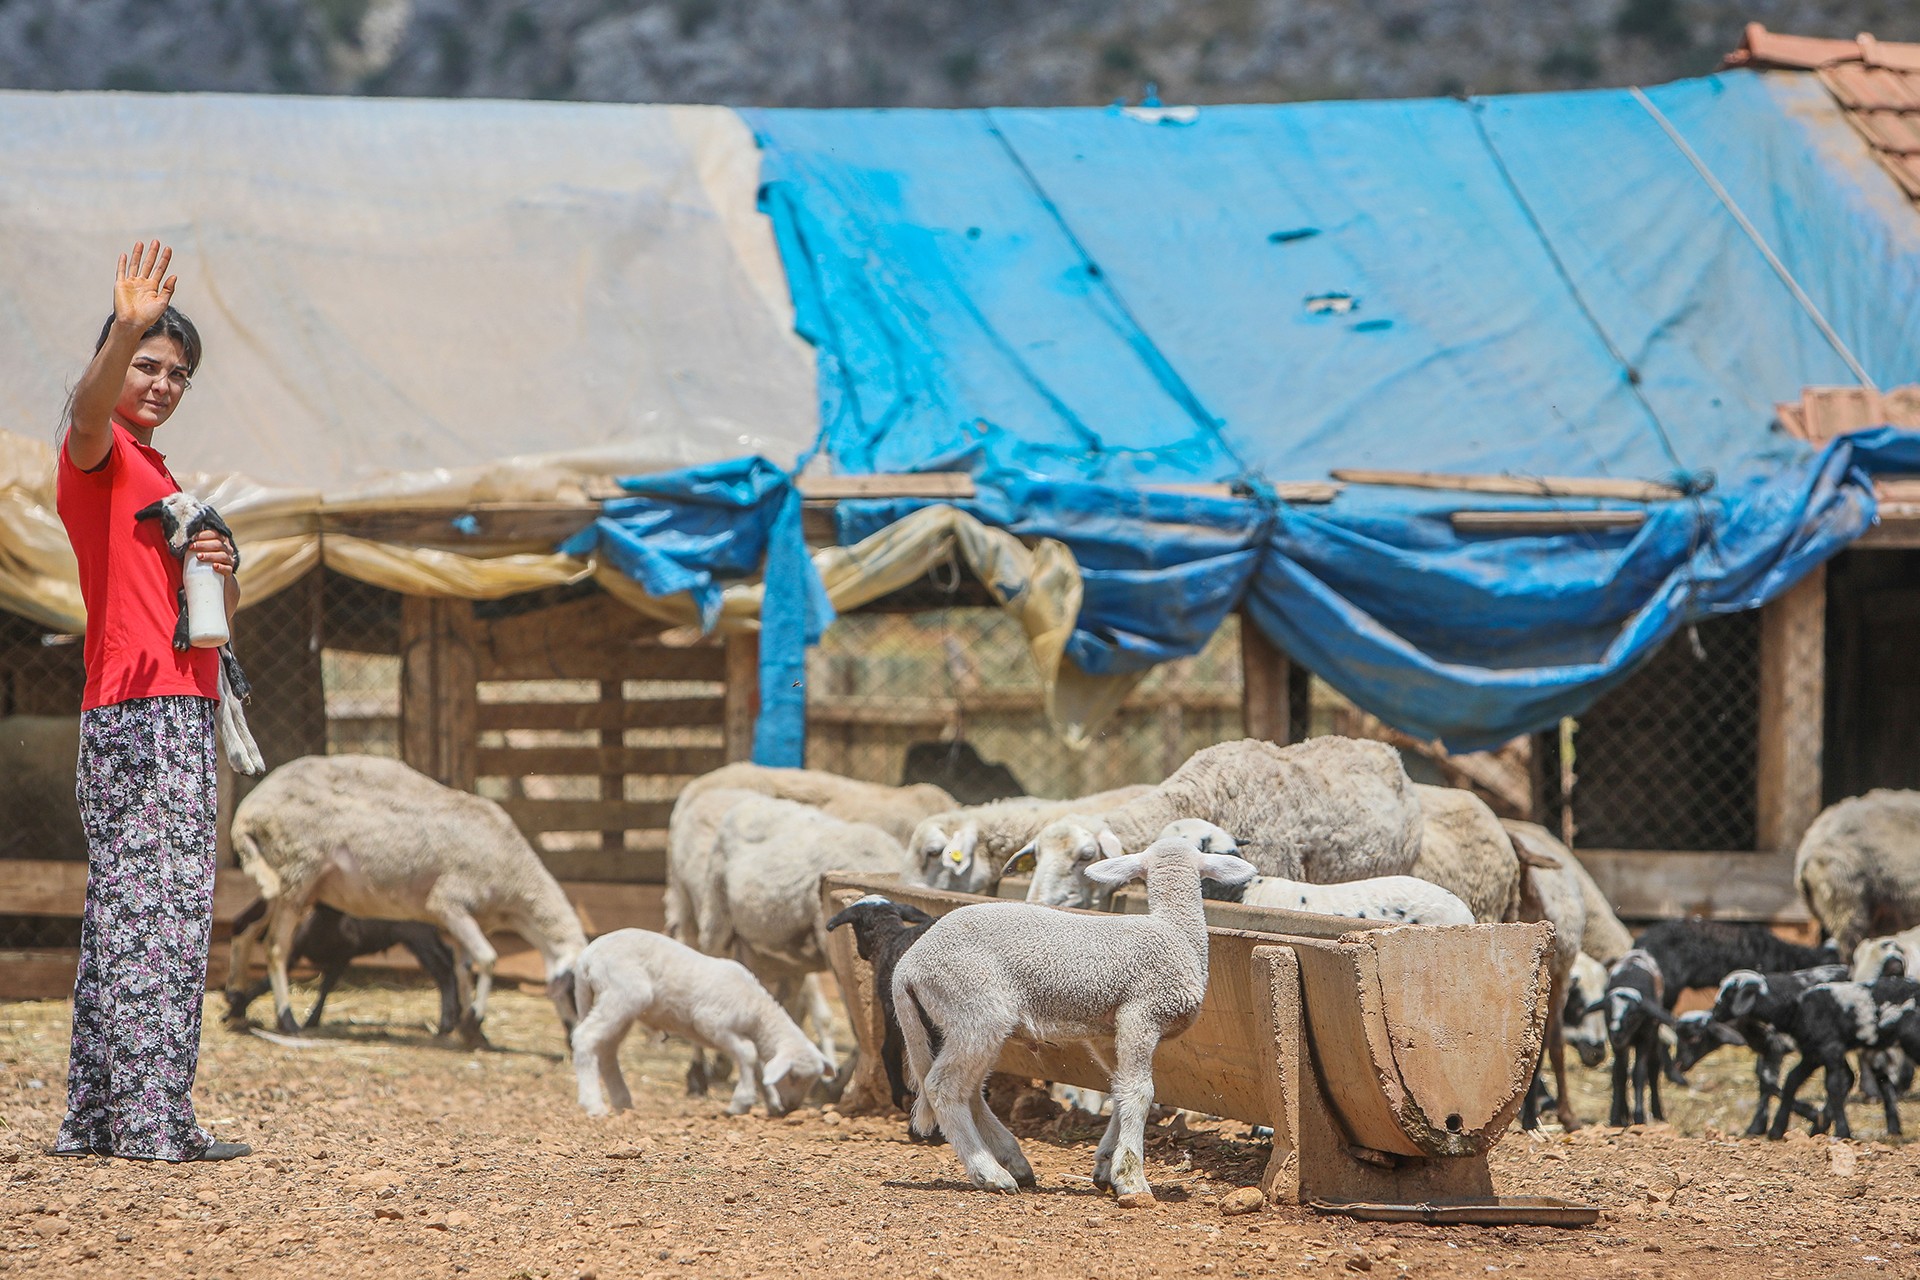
225, 1151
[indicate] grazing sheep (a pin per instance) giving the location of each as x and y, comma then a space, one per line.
990, 971
1745, 1009
695, 822
332, 941
1465, 850
371, 837
634, 975
1635, 1011
1858, 866
944, 844
1324, 810
1603, 937
1552, 893
882, 932
1832, 1019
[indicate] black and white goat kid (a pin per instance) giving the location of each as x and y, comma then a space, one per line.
182, 517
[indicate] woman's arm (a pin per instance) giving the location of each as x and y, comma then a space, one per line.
142, 292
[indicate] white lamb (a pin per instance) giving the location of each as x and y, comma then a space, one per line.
994, 970
943, 845
371, 837
1067, 852
1324, 810
1897, 955
633, 975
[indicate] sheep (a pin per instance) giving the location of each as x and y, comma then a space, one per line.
1895, 956
1064, 850
1745, 1009
1464, 849
1832, 1019
882, 932
635, 975
696, 819
372, 837
1635, 1011
1586, 1032
943, 844
1323, 810
1603, 937
1553, 893
993, 970
332, 940
1858, 866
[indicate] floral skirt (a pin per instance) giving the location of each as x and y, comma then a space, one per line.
148, 800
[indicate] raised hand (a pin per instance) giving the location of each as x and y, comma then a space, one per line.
142, 290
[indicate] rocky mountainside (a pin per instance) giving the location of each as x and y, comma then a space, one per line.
894, 52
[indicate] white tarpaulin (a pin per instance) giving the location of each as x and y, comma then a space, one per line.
390, 290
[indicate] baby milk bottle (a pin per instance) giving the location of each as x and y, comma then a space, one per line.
206, 604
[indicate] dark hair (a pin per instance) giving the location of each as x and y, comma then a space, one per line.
171, 324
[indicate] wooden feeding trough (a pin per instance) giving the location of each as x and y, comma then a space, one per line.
1387, 1061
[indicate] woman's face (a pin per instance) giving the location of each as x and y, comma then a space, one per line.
156, 379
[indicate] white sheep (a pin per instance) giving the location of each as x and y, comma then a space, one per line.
633, 975
1066, 851
990, 971
1602, 936
1465, 850
371, 837
1874, 958
944, 844
695, 820
1858, 866
1324, 810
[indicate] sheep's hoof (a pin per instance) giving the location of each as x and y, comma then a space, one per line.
1026, 1179
471, 1035
286, 1024
697, 1080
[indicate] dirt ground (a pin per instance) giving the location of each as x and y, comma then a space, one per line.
381, 1153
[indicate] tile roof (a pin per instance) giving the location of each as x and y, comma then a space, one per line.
1875, 82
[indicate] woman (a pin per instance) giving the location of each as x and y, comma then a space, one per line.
147, 786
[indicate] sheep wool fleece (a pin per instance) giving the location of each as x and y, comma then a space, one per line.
148, 800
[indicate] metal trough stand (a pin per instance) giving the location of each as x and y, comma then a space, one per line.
1387, 1061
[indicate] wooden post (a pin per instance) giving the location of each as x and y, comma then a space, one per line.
1265, 696
742, 694
439, 696
613, 737
1792, 708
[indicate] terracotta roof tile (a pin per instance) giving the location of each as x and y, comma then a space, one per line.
1875, 82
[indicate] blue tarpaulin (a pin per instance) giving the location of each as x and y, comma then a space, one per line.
1069, 303
687, 531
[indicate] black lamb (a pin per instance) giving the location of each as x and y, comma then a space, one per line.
1831, 1020
331, 940
1699, 953
1635, 1011
882, 932
1744, 1011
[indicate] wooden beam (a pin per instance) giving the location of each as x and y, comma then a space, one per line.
1535, 522
1530, 486
926, 484
1305, 492
588, 815
634, 713
542, 524
1264, 681
606, 761
1645, 884
626, 662
1898, 528
1793, 639
742, 694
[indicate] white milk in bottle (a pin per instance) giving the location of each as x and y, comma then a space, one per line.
206, 604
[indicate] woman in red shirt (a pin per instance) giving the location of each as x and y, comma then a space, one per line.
147, 787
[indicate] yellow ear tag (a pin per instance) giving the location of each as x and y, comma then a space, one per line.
958, 857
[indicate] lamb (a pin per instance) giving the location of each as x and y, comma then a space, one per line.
1635, 1010
1699, 953
332, 940
1586, 1032
1400, 899
1830, 1020
695, 822
944, 844
1324, 810
1895, 956
634, 975
183, 517
1858, 866
993, 970
1745, 1010
371, 837
882, 932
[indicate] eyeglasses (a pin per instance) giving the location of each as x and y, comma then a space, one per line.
174, 374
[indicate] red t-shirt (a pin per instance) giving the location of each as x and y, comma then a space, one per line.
129, 579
